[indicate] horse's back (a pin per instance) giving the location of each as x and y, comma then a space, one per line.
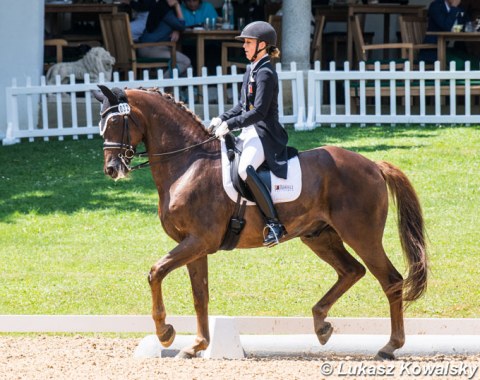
342, 179
335, 160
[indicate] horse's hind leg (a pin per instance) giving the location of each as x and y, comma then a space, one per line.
198, 271
329, 247
391, 282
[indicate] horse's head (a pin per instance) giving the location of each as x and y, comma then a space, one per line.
120, 140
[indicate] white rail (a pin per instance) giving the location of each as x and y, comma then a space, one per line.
391, 97
68, 109
334, 97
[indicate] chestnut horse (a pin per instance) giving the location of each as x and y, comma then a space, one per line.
344, 200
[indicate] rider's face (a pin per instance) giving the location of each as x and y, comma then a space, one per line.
249, 45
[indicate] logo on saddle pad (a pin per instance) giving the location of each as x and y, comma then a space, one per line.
282, 190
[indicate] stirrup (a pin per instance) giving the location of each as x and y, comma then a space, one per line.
272, 233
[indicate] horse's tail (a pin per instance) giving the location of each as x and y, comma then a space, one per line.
411, 229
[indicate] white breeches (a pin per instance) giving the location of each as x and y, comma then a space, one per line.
253, 153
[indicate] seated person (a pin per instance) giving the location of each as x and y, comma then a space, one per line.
195, 12
138, 24
442, 15
472, 8
162, 21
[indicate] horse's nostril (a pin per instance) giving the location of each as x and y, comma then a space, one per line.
110, 171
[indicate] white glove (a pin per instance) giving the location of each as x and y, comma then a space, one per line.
222, 130
214, 124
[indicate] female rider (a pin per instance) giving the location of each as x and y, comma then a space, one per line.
264, 138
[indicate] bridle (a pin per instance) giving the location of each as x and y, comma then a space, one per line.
128, 150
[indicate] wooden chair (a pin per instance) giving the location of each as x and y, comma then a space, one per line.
316, 48
362, 49
233, 55
59, 44
276, 22
118, 40
412, 30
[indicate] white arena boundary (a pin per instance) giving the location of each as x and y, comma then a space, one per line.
235, 337
245, 325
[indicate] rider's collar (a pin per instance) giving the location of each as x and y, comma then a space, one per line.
262, 61
258, 65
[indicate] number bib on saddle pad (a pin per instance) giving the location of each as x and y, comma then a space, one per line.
282, 190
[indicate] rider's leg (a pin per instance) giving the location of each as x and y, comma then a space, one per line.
274, 230
252, 157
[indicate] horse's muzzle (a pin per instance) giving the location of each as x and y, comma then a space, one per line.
115, 169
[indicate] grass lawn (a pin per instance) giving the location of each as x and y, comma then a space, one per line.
75, 242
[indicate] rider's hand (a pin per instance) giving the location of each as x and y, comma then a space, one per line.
214, 124
222, 130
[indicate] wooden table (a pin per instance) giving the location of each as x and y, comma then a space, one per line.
443, 37
386, 9
202, 35
333, 13
60, 9
81, 8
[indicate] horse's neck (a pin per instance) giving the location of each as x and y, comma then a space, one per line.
171, 129
180, 176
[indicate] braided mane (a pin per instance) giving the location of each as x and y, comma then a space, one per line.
179, 104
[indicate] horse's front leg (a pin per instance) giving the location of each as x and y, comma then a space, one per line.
187, 251
198, 271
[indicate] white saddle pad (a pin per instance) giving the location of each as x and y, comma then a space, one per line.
283, 190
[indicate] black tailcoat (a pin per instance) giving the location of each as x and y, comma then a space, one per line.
258, 106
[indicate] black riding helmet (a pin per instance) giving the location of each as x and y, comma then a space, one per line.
261, 31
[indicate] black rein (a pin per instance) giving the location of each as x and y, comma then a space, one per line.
129, 151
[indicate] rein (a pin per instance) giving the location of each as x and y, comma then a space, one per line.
129, 153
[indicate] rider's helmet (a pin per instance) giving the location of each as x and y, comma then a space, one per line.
261, 31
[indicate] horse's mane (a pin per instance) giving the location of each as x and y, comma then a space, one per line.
181, 105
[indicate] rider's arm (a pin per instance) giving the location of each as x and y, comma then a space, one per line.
263, 97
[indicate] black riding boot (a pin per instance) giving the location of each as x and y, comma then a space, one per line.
274, 230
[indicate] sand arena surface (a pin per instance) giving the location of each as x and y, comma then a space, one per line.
78, 357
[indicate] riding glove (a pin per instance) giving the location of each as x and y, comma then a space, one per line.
222, 130
214, 124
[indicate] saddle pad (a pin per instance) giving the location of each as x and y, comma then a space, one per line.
283, 190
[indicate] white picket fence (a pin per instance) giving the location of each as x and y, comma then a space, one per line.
334, 97
70, 110
392, 97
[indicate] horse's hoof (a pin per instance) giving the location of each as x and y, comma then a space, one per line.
325, 333
184, 355
168, 336
382, 355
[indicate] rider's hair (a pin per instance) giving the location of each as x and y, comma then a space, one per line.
273, 51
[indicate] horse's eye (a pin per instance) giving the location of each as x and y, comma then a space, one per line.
115, 119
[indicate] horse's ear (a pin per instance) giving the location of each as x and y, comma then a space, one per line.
112, 99
98, 95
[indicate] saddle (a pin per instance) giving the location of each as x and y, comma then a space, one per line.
234, 151
234, 148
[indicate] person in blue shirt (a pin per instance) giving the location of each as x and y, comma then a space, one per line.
164, 22
442, 14
195, 12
